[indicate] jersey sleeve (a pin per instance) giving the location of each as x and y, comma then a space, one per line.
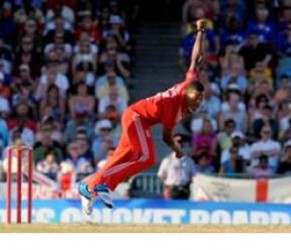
191, 75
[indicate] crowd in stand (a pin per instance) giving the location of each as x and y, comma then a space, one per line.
244, 123
64, 70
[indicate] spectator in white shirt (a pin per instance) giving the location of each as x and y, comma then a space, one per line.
176, 175
49, 165
114, 99
266, 146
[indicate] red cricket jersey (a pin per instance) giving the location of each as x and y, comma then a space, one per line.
165, 107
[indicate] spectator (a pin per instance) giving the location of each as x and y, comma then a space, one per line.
203, 164
237, 142
266, 119
103, 140
113, 99
176, 174
263, 169
81, 103
224, 136
80, 165
103, 90
255, 51
285, 163
206, 141
102, 163
234, 108
49, 166
234, 165
266, 146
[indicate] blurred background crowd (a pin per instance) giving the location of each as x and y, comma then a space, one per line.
64, 83
64, 67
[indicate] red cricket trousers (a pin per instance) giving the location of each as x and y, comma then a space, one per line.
135, 153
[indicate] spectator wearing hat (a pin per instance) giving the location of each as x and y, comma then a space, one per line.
267, 146
242, 148
285, 163
103, 140
233, 165
176, 174
262, 169
117, 30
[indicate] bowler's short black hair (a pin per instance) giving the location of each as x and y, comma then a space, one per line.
198, 86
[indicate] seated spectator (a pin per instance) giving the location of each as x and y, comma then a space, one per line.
266, 146
63, 9
61, 26
109, 71
48, 124
24, 132
120, 60
85, 72
55, 102
81, 103
198, 120
176, 174
255, 51
118, 31
231, 62
49, 166
238, 142
234, 78
233, 165
258, 74
283, 89
27, 11
79, 164
232, 9
206, 141
84, 55
234, 109
84, 146
224, 136
285, 163
46, 143
113, 99
102, 163
267, 118
262, 25
89, 27
80, 122
103, 140
284, 42
53, 77
211, 102
103, 90
262, 169
203, 165
232, 33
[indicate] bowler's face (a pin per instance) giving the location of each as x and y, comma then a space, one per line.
194, 99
